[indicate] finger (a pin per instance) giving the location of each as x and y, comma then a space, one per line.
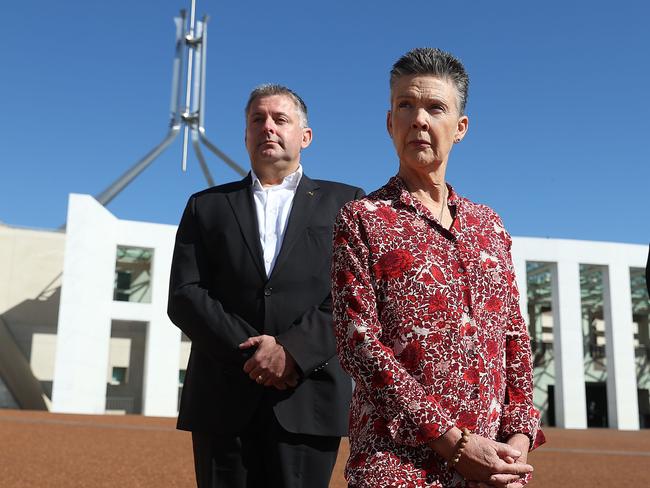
250, 342
509, 460
515, 468
504, 450
257, 373
250, 365
504, 479
514, 485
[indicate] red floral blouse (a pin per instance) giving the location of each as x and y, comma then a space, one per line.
428, 325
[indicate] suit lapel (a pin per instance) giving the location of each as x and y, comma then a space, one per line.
243, 207
304, 203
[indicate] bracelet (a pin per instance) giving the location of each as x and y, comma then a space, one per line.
460, 447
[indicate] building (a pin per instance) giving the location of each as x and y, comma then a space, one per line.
83, 324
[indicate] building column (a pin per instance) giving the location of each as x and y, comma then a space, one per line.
522, 285
163, 347
570, 400
622, 402
162, 355
84, 327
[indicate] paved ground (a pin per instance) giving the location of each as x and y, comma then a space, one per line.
43, 450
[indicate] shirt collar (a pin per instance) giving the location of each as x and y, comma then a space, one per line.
290, 182
397, 187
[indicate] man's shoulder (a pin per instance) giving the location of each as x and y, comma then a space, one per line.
338, 187
222, 189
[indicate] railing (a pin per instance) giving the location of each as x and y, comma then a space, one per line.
124, 404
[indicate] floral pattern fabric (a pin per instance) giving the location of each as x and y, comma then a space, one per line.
428, 325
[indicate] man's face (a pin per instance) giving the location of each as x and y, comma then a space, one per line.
424, 121
274, 134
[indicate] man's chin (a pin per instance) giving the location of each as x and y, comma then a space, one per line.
269, 156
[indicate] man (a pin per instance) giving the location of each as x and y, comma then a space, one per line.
264, 395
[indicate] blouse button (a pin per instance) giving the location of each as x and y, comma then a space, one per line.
461, 270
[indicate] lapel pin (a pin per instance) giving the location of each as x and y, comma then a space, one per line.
310, 193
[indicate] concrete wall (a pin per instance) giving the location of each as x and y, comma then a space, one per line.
30, 279
87, 311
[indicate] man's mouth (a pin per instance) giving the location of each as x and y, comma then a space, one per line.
269, 142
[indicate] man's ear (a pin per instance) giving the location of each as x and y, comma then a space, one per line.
307, 136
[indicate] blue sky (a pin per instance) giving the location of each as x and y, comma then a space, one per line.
559, 137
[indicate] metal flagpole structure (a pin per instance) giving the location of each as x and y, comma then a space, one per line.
191, 44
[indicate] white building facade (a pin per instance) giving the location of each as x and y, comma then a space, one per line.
116, 351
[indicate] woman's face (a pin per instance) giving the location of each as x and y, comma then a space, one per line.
424, 121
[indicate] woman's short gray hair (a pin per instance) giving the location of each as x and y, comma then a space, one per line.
436, 62
270, 89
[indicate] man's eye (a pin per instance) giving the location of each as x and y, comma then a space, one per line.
404, 104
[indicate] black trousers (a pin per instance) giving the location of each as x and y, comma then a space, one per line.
265, 456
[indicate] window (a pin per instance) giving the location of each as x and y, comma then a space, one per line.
181, 377
133, 274
118, 376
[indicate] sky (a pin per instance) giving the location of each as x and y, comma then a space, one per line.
559, 110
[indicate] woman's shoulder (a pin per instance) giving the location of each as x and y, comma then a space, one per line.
380, 198
480, 211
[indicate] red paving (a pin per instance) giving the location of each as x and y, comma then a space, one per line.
44, 450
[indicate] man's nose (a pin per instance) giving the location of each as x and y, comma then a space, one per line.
420, 119
269, 125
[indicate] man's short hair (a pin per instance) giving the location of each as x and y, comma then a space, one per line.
436, 62
270, 89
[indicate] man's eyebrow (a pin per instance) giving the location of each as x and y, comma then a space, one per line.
274, 114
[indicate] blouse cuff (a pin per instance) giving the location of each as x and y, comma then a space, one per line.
521, 419
419, 424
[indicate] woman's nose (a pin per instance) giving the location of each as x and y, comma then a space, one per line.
421, 119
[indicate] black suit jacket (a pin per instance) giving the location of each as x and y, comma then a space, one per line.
220, 295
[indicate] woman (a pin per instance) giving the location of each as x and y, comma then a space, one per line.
426, 309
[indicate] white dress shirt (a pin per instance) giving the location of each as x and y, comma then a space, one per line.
273, 205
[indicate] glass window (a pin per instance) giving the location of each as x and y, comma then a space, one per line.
540, 325
118, 376
641, 324
133, 274
593, 332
